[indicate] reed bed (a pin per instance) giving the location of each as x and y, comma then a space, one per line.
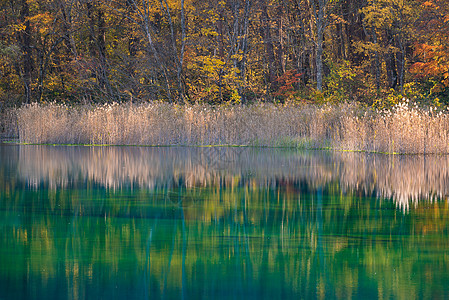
8, 124
403, 129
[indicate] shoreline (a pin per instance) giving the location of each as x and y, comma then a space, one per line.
9, 142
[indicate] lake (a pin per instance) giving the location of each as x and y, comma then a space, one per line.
82, 222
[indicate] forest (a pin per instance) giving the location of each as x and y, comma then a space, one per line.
374, 52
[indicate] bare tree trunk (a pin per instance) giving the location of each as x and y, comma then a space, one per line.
220, 52
24, 38
101, 45
44, 57
42, 69
319, 64
390, 60
269, 49
341, 53
303, 47
319, 11
280, 50
69, 40
236, 37
376, 63
183, 46
176, 57
392, 74
145, 24
400, 63
158, 60
67, 26
244, 47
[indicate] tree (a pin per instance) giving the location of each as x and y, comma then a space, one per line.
432, 46
319, 8
389, 26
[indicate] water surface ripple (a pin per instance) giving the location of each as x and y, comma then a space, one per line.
245, 223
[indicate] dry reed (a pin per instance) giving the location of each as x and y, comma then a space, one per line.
8, 124
403, 129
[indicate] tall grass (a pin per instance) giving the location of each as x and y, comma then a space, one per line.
8, 123
404, 129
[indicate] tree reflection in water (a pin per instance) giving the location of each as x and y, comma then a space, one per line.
134, 222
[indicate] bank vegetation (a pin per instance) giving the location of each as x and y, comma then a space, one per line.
406, 128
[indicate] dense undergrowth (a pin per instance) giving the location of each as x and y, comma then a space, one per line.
403, 129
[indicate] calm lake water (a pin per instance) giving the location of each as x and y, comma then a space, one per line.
221, 223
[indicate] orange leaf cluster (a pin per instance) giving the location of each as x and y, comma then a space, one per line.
288, 79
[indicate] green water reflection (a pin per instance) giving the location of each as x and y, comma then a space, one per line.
173, 223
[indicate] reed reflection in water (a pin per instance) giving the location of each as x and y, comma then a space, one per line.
244, 223
404, 178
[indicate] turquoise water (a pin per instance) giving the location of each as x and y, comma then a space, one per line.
224, 223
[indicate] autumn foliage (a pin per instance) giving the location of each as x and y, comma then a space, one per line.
432, 50
227, 51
